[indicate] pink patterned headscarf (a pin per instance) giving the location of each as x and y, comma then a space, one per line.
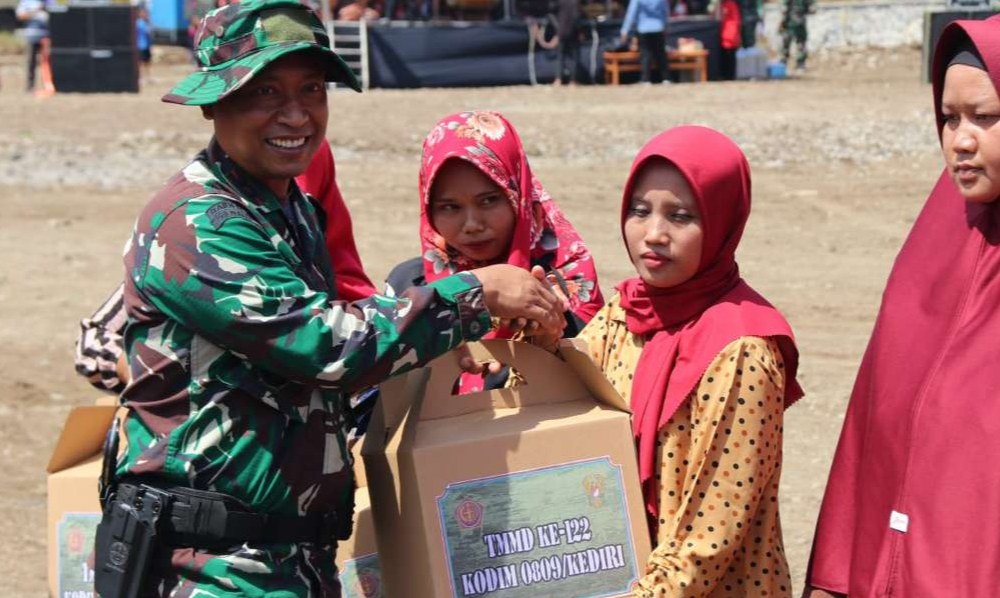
542, 235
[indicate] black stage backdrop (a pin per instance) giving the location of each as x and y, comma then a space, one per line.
934, 23
489, 54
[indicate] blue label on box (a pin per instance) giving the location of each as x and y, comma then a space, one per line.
75, 558
555, 531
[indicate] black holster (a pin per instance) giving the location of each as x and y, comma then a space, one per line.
126, 539
140, 517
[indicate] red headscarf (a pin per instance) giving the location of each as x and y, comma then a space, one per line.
691, 323
542, 235
922, 423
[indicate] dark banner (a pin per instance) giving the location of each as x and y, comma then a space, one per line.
934, 24
497, 53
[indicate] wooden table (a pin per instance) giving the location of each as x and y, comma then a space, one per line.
616, 63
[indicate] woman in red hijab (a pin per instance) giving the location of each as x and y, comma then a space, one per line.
480, 204
708, 367
912, 506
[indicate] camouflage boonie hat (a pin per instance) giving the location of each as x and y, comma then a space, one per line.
237, 41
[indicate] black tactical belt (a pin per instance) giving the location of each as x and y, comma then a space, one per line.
198, 518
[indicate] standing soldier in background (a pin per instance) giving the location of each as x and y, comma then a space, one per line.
236, 480
793, 27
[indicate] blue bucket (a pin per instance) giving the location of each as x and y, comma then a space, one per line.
776, 70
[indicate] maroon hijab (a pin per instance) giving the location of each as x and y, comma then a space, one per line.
912, 506
689, 324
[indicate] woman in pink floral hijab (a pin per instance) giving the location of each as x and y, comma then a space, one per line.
539, 234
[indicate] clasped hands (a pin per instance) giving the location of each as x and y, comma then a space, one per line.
523, 302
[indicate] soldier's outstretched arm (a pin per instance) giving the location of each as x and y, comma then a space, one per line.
238, 288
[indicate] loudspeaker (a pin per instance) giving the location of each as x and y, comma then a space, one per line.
115, 70
92, 26
8, 20
70, 28
112, 26
93, 49
98, 70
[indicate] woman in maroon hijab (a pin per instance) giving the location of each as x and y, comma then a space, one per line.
912, 507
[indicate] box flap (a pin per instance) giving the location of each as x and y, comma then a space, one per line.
359, 466
547, 380
82, 436
388, 426
574, 352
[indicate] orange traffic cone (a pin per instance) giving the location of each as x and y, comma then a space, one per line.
47, 87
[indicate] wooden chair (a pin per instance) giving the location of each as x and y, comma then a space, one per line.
616, 63
695, 61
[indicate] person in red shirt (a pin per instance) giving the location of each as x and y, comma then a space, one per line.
320, 181
730, 34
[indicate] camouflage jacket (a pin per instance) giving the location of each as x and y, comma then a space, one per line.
241, 359
796, 11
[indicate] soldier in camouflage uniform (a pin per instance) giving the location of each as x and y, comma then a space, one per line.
240, 355
793, 28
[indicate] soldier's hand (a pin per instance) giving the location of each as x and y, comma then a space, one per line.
512, 293
547, 338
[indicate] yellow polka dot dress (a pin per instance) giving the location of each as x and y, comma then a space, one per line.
719, 463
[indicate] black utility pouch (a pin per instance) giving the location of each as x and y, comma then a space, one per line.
126, 539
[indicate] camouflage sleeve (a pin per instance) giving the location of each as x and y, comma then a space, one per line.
220, 274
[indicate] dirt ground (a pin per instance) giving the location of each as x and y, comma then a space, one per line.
842, 160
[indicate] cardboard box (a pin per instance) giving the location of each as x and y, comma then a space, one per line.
514, 493
74, 512
357, 558
73, 507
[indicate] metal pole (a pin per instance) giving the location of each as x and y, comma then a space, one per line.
327, 15
363, 42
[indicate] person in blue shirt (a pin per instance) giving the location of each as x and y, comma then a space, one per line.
649, 19
35, 28
144, 42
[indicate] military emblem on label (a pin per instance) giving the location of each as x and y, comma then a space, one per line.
469, 514
75, 541
76, 533
368, 584
593, 485
362, 577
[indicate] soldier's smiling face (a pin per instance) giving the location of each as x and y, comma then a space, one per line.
274, 124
